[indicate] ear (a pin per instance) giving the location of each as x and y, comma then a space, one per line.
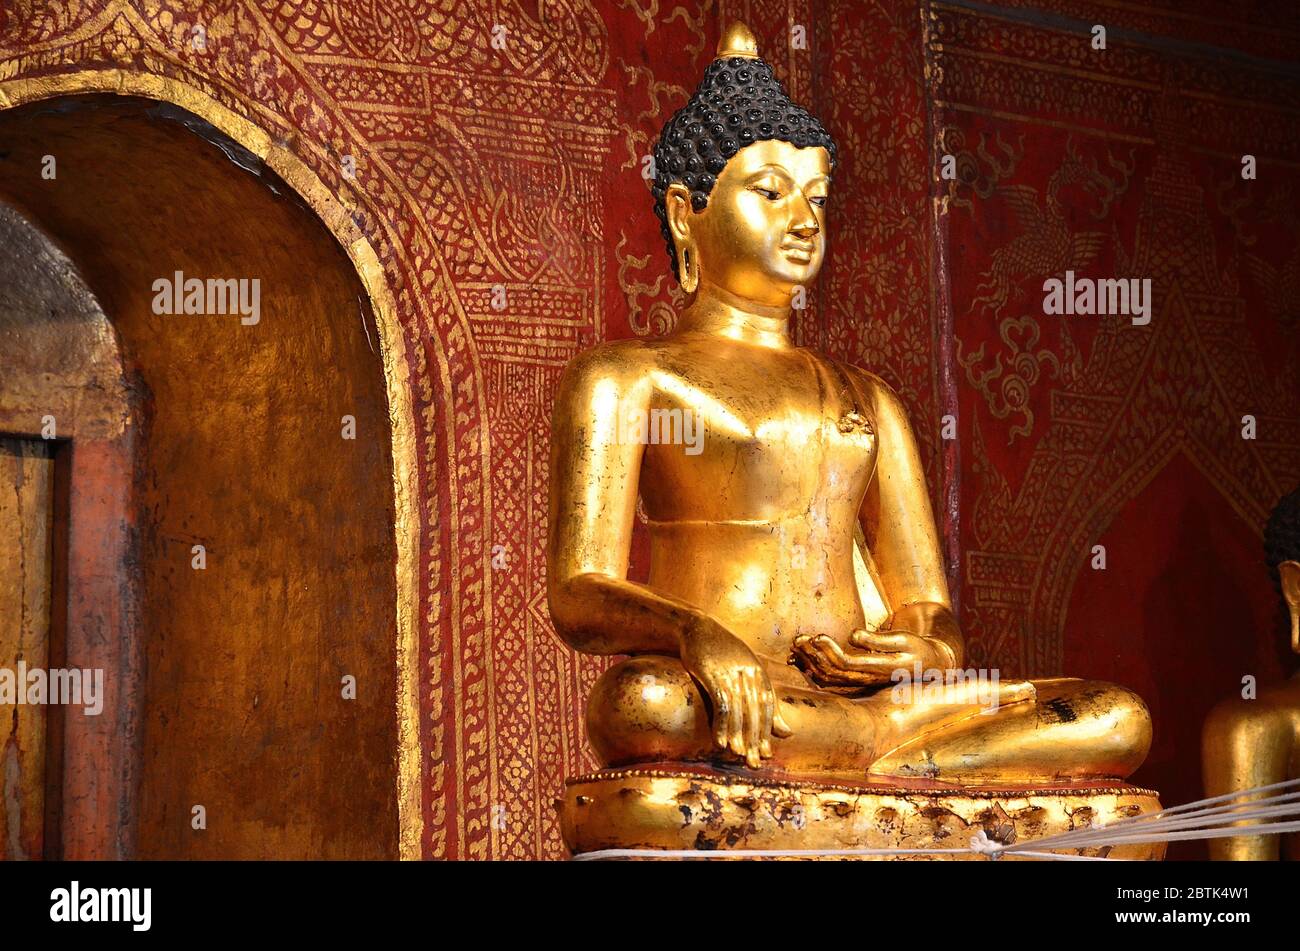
1289, 572
677, 202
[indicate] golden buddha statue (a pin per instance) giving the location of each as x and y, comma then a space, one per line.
1247, 743
795, 564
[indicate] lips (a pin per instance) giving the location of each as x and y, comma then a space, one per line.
798, 251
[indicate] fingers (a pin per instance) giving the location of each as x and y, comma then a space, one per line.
753, 720
910, 647
832, 651
814, 660
779, 726
773, 723
829, 663
833, 660
736, 728
746, 716
768, 708
895, 642
722, 707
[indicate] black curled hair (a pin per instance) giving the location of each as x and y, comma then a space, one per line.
739, 101
1282, 533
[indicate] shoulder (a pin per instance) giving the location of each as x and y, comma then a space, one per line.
1271, 709
615, 367
613, 358
880, 395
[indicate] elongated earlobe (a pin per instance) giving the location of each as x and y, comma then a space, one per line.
678, 212
688, 269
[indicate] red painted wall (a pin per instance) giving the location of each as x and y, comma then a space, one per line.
519, 165
1081, 431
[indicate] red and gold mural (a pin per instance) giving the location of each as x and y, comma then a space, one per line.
486, 157
1084, 431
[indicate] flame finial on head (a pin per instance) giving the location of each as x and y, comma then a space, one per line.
737, 40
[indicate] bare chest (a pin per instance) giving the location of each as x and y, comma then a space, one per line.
731, 439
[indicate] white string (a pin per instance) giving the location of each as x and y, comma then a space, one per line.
1167, 825
1200, 804
1263, 828
1140, 828
1144, 833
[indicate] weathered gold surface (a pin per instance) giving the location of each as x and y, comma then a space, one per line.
243, 709
681, 809
336, 214
757, 641
26, 564
1250, 743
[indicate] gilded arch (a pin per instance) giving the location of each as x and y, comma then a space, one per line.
337, 220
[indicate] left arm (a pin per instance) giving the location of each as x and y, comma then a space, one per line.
899, 524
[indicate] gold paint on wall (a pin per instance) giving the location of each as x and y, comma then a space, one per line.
335, 215
26, 544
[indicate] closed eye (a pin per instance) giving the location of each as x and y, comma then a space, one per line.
767, 193
819, 201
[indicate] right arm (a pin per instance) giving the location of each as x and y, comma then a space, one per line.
594, 483
595, 474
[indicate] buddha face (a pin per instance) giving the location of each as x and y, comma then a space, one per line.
763, 232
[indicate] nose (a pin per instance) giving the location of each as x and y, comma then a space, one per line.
804, 222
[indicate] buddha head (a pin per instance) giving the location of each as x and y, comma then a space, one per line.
742, 177
1282, 549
